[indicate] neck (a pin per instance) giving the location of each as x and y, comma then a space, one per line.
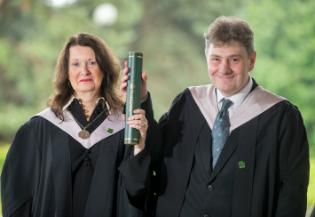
88, 101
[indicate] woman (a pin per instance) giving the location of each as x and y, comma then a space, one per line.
70, 159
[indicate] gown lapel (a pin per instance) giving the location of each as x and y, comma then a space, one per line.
245, 165
258, 101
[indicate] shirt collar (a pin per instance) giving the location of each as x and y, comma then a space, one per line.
237, 98
65, 107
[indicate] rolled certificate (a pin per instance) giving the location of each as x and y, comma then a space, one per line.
132, 135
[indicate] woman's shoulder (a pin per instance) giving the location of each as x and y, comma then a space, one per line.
26, 135
34, 121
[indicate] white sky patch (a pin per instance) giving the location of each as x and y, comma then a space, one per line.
105, 14
60, 3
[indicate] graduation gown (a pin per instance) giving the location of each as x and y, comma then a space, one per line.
37, 170
263, 169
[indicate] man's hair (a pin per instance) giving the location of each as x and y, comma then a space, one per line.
227, 29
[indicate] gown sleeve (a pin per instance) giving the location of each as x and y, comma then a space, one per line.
164, 137
294, 165
313, 212
135, 169
18, 176
169, 128
24, 211
144, 175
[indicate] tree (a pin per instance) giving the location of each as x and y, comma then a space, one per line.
169, 33
285, 44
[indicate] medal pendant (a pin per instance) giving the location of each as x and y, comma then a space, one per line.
84, 134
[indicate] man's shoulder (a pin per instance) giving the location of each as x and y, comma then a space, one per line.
186, 100
260, 91
200, 90
193, 93
263, 97
266, 98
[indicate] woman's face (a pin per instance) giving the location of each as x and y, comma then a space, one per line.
85, 74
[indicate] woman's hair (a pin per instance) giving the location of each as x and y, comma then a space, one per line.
107, 62
228, 29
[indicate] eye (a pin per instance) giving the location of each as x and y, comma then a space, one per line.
76, 64
215, 59
235, 59
92, 63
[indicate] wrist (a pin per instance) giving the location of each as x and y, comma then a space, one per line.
138, 148
145, 97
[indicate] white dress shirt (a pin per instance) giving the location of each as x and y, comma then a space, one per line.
237, 98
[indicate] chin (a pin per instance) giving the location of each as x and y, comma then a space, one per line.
226, 91
86, 87
86, 90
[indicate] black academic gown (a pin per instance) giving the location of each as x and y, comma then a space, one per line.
265, 157
37, 170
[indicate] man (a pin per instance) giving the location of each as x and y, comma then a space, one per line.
247, 157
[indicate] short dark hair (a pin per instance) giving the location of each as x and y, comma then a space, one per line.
108, 63
227, 29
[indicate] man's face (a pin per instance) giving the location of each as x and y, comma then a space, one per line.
229, 65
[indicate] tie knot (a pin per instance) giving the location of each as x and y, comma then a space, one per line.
226, 103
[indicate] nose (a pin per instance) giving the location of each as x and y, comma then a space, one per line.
225, 66
84, 69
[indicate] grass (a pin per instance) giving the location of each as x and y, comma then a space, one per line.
3, 153
311, 187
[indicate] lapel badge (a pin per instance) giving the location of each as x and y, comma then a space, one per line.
241, 164
110, 130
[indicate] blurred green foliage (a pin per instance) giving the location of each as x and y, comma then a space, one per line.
285, 44
311, 186
169, 33
3, 152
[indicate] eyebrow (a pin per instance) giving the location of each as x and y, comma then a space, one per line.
233, 55
78, 59
236, 55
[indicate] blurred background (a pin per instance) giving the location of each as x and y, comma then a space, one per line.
169, 33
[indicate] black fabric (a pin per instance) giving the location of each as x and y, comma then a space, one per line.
56, 174
147, 198
83, 165
24, 211
195, 201
273, 146
37, 177
84, 160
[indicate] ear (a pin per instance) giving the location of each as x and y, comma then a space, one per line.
206, 54
252, 60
